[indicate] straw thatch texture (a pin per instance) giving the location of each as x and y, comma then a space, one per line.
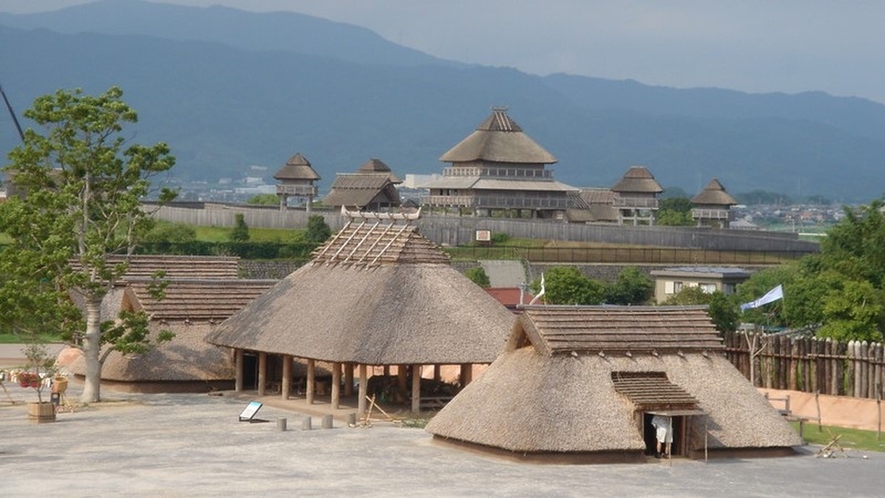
195, 300
529, 402
362, 190
535, 399
391, 314
498, 139
638, 180
175, 267
297, 168
659, 329
371, 243
714, 194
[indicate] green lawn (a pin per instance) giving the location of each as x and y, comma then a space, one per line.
219, 234
854, 439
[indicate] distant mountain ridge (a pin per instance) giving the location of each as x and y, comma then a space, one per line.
243, 92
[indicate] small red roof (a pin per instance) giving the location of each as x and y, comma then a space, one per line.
509, 297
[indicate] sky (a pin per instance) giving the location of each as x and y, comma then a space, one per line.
755, 46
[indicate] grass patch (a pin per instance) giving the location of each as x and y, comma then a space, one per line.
857, 439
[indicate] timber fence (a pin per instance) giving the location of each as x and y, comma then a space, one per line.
809, 364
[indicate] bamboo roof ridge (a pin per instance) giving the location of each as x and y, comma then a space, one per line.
174, 267
195, 300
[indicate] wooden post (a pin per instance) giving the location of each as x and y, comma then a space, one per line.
348, 379
401, 378
336, 385
437, 372
286, 386
262, 373
239, 360
416, 388
363, 391
466, 374
311, 380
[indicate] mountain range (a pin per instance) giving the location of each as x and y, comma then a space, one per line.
228, 89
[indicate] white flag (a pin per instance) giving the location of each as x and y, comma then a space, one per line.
769, 297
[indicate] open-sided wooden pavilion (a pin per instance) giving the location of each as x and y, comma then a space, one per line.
376, 294
580, 384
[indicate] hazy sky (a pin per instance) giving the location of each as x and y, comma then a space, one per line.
750, 45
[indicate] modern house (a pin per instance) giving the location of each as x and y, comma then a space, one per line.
712, 206
376, 294
499, 169
581, 385
371, 188
670, 281
296, 179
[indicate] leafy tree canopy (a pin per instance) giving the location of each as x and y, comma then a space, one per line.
264, 200
478, 276
80, 203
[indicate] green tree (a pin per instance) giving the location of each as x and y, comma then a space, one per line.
81, 206
674, 211
317, 229
631, 287
240, 232
478, 276
566, 285
723, 310
264, 200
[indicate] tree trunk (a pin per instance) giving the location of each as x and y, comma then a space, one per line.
92, 351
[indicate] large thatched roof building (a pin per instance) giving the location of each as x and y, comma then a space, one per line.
296, 178
376, 294
500, 168
582, 383
200, 293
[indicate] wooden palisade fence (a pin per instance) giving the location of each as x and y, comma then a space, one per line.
809, 364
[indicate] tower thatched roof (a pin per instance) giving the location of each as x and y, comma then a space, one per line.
498, 139
638, 179
714, 194
297, 168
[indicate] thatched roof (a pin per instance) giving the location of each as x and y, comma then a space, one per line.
498, 139
190, 309
377, 295
362, 190
639, 180
592, 329
177, 267
714, 194
297, 168
195, 300
534, 399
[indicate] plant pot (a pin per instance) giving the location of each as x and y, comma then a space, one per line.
41, 412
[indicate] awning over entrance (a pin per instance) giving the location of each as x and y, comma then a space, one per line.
652, 392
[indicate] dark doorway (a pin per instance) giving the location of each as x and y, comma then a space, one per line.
650, 435
250, 371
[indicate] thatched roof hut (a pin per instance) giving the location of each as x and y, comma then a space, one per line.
377, 293
713, 195
372, 188
581, 384
190, 309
